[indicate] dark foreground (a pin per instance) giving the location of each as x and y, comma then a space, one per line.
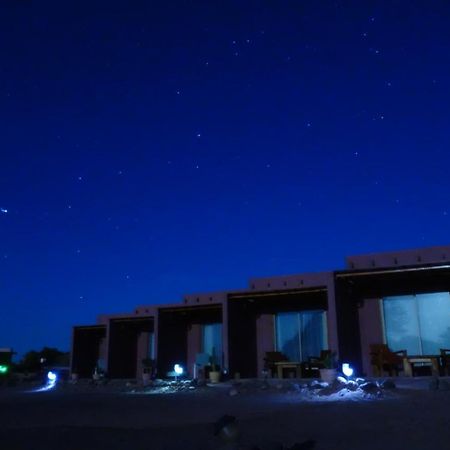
74, 419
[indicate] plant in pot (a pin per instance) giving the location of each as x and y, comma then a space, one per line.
214, 373
148, 365
329, 371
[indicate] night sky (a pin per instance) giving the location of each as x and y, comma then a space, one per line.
152, 149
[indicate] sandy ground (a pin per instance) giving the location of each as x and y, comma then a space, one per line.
85, 417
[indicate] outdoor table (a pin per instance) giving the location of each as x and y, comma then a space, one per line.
409, 361
289, 365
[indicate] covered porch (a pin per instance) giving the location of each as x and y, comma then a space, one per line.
293, 322
88, 345
131, 339
187, 331
404, 308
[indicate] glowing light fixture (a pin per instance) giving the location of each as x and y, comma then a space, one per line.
3, 369
51, 376
178, 369
347, 370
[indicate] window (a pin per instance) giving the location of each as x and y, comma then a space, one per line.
300, 335
151, 345
419, 324
212, 341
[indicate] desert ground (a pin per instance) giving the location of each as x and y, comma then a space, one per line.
414, 415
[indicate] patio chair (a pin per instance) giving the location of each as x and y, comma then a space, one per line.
445, 360
316, 363
271, 358
383, 359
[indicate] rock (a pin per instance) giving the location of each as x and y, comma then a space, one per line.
227, 428
352, 385
232, 392
360, 381
434, 384
370, 388
306, 445
341, 380
444, 385
317, 385
268, 446
387, 384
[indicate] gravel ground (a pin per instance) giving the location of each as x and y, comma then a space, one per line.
268, 416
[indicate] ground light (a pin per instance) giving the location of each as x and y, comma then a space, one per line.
347, 370
52, 378
3, 369
178, 369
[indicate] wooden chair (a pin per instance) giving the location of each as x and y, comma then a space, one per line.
271, 358
316, 363
445, 360
383, 359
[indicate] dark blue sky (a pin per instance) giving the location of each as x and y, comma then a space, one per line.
148, 151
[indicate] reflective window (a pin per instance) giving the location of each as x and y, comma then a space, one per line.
300, 335
419, 324
212, 341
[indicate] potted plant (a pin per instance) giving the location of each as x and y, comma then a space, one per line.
214, 374
74, 375
329, 371
147, 370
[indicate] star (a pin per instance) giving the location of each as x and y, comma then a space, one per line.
4, 210
81, 297
78, 251
80, 178
178, 92
119, 172
69, 206
308, 124
199, 135
356, 153
127, 277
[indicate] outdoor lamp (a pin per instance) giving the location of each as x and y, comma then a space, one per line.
178, 369
3, 369
347, 370
51, 376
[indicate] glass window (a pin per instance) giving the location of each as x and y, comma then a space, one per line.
288, 335
151, 346
434, 318
300, 335
418, 324
402, 325
212, 341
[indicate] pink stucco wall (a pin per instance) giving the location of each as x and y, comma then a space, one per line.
371, 330
429, 255
265, 339
194, 346
143, 342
